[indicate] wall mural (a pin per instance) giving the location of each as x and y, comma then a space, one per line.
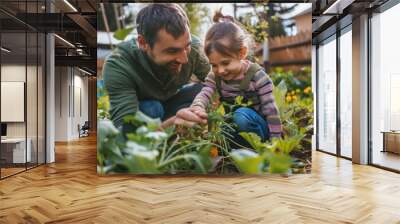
202, 88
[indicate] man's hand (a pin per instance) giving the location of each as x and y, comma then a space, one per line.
168, 122
191, 116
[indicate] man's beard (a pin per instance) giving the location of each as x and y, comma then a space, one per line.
171, 68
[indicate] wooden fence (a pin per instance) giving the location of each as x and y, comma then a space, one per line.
289, 52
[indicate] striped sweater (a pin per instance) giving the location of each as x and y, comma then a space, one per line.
261, 84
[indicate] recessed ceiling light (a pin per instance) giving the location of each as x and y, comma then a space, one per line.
5, 49
71, 6
86, 72
64, 40
337, 7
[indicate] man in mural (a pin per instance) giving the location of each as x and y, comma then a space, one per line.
150, 73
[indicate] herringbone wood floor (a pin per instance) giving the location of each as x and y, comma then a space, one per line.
69, 191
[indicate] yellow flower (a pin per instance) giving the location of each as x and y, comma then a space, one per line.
263, 24
288, 98
294, 97
307, 90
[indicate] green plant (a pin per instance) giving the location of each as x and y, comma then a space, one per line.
108, 148
103, 106
147, 150
217, 133
122, 33
197, 15
248, 162
298, 84
297, 118
272, 157
103, 101
206, 148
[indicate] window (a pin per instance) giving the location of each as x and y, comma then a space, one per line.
22, 75
346, 75
385, 85
327, 96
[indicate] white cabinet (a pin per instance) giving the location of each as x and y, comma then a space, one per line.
17, 148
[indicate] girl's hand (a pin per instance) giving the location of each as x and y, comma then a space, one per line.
200, 111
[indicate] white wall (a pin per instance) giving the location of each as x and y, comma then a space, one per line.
71, 94
61, 103
50, 96
33, 126
12, 73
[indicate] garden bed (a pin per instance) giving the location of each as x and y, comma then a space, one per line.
208, 149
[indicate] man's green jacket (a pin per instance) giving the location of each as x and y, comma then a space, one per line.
129, 78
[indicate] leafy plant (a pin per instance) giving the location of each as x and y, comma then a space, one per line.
206, 148
297, 118
108, 149
103, 106
197, 16
248, 162
122, 33
103, 101
147, 150
273, 157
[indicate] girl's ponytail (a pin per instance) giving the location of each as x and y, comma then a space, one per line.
219, 17
227, 36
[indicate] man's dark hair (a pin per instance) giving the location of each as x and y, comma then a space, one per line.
157, 16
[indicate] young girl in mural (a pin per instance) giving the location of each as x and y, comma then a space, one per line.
226, 46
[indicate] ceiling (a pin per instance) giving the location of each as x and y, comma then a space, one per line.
327, 15
74, 21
